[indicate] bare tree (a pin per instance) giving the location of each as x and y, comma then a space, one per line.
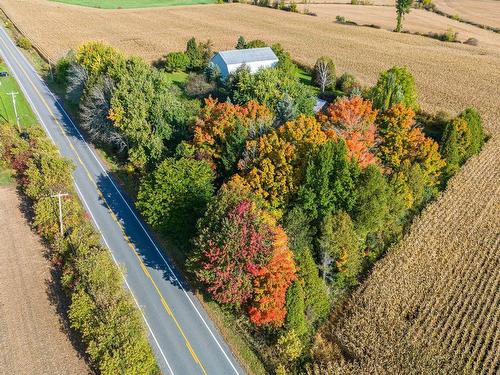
324, 73
77, 78
94, 110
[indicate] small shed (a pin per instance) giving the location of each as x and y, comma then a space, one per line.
253, 58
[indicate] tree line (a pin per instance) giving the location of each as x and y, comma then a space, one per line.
279, 211
101, 311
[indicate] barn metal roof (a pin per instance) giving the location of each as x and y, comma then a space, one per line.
242, 56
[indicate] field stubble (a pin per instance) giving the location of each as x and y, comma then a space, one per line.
418, 20
483, 12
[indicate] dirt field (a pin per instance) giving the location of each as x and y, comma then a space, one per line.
418, 20
31, 337
484, 12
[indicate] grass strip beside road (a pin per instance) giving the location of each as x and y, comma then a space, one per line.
8, 85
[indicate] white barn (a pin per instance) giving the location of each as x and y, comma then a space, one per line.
253, 58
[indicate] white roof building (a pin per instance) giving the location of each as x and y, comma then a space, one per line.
253, 58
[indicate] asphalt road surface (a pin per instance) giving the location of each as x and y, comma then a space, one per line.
184, 339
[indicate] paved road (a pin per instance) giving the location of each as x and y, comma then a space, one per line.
184, 339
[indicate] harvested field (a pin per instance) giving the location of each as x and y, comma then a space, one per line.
483, 12
418, 20
32, 340
433, 304
449, 76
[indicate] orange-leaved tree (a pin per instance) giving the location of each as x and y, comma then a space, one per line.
274, 163
353, 119
221, 129
271, 283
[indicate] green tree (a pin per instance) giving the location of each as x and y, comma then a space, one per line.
339, 250
145, 108
285, 110
233, 149
372, 200
475, 125
450, 150
317, 299
199, 54
175, 195
242, 43
176, 61
402, 7
330, 181
298, 228
395, 86
295, 307
269, 87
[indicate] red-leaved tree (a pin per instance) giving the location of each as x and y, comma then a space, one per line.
231, 254
241, 256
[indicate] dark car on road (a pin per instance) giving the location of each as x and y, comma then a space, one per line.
4, 74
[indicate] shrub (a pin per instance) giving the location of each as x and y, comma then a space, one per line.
24, 43
101, 310
448, 36
176, 61
241, 44
472, 42
293, 7
475, 125
197, 85
257, 43
347, 82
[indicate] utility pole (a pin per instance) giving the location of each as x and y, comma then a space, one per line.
59, 196
13, 95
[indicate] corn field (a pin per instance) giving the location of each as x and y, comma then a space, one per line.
432, 306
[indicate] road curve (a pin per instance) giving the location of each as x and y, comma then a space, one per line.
184, 339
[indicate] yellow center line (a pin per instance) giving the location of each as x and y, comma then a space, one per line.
143, 267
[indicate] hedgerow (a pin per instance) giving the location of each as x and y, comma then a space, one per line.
101, 310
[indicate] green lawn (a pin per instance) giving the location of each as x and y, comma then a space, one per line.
114, 4
178, 77
7, 85
6, 176
306, 78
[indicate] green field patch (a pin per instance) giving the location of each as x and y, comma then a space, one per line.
124, 4
6, 176
7, 114
178, 77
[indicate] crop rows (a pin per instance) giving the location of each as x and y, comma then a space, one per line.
433, 303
